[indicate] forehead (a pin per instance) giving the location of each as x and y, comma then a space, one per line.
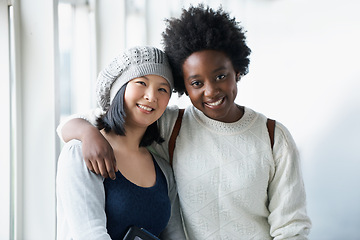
207, 60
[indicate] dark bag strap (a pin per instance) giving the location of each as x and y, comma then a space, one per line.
271, 128
174, 134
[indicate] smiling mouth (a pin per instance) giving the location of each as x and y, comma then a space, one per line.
217, 103
149, 109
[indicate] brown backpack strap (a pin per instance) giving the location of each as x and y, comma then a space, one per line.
271, 128
174, 135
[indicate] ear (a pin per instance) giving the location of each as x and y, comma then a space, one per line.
238, 77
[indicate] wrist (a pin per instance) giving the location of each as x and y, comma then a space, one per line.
89, 132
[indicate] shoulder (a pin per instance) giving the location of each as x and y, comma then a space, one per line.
71, 162
72, 144
284, 141
282, 136
284, 144
170, 113
72, 148
71, 152
167, 121
253, 117
281, 132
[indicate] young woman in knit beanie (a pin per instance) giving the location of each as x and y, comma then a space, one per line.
133, 92
233, 183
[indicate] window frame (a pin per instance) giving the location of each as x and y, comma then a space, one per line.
5, 136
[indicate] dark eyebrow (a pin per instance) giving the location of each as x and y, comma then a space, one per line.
218, 69
192, 76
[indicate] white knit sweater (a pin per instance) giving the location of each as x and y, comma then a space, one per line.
231, 184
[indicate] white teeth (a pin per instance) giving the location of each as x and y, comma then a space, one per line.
145, 108
216, 103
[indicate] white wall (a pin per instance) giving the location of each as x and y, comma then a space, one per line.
305, 73
5, 145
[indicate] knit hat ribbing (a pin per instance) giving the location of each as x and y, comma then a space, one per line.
133, 63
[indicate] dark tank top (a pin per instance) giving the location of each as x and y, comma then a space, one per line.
127, 204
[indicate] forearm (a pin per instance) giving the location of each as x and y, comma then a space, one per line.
76, 129
71, 130
97, 152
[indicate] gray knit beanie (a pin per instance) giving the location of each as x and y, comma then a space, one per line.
133, 63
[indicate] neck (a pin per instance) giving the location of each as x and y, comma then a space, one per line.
129, 142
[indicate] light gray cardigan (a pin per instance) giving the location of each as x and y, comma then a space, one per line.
80, 198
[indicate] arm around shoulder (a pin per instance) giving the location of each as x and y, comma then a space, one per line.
97, 152
71, 123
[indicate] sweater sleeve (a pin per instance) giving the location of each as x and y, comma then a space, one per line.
288, 218
89, 116
80, 197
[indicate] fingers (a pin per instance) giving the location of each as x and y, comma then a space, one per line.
92, 166
103, 170
107, 168
110, 164
89, 165
111, 168
99, 156
99, 167
115, 166
104, 166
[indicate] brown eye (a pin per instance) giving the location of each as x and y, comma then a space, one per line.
141, 83
220, 77
163, 90
195, 83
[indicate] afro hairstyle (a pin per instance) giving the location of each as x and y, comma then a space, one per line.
202, 28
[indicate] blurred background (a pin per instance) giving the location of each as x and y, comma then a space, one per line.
304, 72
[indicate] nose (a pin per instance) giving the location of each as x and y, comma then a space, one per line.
150, 95
210, 89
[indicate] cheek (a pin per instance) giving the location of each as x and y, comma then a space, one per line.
164, 101
193, 96
132, 94
128, 94
232, 88
191, 92
235, 90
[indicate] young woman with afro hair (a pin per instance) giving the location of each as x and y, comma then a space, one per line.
233, 182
